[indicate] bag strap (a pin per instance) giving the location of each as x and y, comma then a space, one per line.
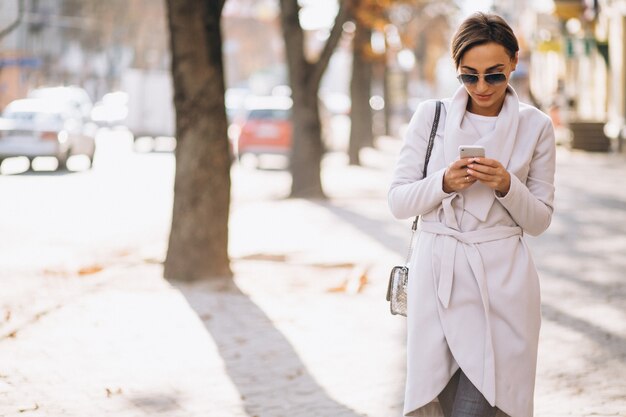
429, 149
431, 140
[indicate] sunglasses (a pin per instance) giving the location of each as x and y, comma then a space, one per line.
493, 78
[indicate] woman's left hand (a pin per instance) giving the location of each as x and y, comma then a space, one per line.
491, 173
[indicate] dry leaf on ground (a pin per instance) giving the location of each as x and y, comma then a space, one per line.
88, 270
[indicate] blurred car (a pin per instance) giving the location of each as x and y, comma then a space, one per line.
73, 96
112, 110
267, 128
42, 127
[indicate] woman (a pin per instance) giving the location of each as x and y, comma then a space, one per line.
473, 311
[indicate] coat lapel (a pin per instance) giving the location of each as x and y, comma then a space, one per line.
498, 144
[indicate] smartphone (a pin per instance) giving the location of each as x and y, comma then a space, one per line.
471, 151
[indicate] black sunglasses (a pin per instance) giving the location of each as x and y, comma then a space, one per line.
493, 78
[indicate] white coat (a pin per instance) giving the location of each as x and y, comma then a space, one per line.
473, 289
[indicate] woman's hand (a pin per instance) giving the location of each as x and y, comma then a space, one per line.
456, 177
491, 173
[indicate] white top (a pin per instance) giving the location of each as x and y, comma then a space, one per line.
473, 293
482, 125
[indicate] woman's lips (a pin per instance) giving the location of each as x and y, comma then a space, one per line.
483, 96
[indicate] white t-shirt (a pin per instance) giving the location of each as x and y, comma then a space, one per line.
481, 124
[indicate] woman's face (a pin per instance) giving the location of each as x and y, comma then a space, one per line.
486, 99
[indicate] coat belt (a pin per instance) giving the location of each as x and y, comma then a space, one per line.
452, 239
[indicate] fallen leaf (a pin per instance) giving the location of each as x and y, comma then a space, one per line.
362, 282
331, 265
340, 288
88, 270
153, 260
264, 257
55, 272
111, 392
295, 375
357, 279
354, 282
30, 408
122, 253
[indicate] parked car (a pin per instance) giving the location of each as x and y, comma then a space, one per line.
267, 128
41, 127
72, 96
112, 110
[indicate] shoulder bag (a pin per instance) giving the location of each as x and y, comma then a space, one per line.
399, 277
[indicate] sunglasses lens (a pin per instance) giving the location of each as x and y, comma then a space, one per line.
495, 78
471, 79
468, 78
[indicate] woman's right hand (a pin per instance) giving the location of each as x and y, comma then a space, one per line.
455, 178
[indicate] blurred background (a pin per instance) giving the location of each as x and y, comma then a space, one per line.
116, 58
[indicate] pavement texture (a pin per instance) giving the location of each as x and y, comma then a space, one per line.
303, 329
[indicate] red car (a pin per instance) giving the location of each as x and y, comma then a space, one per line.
267, 129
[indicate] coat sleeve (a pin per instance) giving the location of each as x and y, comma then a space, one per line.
410, 194
530, 204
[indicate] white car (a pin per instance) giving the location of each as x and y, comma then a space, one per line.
72, 95
40, 127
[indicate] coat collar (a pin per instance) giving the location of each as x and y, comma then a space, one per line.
498, 144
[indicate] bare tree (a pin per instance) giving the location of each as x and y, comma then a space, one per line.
368, 16
304, 78
361, 133
198, 244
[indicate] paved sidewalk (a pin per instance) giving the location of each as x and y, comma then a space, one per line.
304, 330
582, 264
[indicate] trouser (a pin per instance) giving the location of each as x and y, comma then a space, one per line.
460, 398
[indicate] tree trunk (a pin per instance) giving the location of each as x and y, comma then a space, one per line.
360, 88
198, 244
307, 150
387, 111
304, 79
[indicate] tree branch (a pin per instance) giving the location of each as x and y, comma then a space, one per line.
18, 20
331, 43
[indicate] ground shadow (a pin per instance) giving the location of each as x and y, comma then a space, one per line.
550, 245
612, 344
261, 362
390, 235
157, 402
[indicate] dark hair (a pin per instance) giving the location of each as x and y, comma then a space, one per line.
481, 28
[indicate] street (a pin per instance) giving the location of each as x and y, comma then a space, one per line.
68, 217
88, 326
